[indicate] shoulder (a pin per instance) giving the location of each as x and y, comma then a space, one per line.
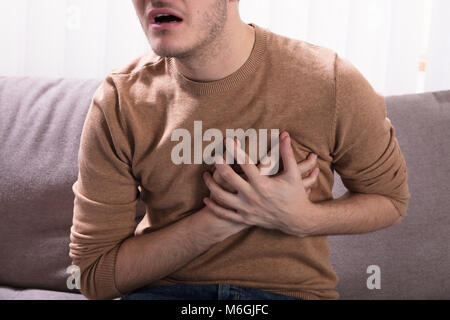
302, 57
120, 77
350, 81
133, 79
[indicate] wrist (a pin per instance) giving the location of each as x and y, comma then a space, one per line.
310, 221
216, 228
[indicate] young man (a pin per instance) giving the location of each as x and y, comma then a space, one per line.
209, 231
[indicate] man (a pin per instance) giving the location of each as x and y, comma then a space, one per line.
211, 231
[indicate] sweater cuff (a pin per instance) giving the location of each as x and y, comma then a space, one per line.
105, 283
401, 206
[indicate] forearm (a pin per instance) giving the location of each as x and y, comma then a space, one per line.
149, 257
353, 213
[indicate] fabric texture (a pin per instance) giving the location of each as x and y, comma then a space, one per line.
125, 156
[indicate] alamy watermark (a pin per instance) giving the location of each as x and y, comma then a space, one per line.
190, 149
74, 280
374, 280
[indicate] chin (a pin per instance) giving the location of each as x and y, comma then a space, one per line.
165, 49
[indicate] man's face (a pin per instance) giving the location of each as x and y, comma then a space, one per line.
178, 28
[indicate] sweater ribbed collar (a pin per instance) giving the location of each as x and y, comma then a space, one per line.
235, 79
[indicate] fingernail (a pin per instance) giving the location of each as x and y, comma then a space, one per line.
284, 135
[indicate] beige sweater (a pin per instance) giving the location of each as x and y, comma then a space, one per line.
321, 99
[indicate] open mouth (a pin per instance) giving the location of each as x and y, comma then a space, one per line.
166, 18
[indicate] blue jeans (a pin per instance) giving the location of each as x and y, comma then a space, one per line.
203, 292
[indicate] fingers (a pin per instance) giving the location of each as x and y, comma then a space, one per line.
222, 182
308, 164
244, 161
218, 159
222, 212
309, 181
270, 163
231, 180
287, 155
227, 198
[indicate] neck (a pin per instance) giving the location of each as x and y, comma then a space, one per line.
222, 57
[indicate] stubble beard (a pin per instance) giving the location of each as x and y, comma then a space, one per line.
208, 42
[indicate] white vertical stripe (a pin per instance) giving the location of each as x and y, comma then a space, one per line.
13, 25
134, 40
438, 73
328, 24
45, 38
404, 46
86, 47
368, 38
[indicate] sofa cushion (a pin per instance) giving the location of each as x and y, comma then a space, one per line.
7, 293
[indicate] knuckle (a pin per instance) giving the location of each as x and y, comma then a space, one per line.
219, 197
253, 198
316, 173
251, 211
248, 212
218, 177
301, 168
226, 174
217, 212
310, 165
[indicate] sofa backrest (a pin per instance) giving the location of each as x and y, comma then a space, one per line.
40, 128
414, 256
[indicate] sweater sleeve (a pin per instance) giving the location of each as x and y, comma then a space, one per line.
106, 195
366, 152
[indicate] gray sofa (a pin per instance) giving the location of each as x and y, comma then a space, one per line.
40, 127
